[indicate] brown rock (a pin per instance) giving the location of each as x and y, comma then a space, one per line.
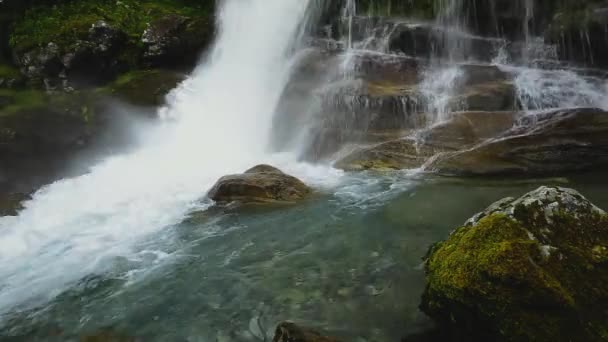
260, 184
555, 141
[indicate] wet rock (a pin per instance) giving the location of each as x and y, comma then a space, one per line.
146, 88
290, 332
462, 131
550, 142
260, 184
175, 40
393, 155
422, 40
63, 66
490, 96
580, 36
528, 269
11, 204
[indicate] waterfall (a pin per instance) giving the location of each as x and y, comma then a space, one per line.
442, 77
217, 122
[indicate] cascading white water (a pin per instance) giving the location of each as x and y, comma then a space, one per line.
218, 122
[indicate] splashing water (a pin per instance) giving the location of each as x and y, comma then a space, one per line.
438, 88
219, 122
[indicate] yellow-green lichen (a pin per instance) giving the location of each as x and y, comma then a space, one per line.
499, 276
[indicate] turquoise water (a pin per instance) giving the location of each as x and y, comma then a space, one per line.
348, 261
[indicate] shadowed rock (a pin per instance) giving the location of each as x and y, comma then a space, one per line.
290, 332
550, 142
11, 204
260, 184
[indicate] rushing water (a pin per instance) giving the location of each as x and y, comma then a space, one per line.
348, 261
132, 248
217, 122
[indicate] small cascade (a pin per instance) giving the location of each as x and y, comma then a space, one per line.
441, 78
394, 75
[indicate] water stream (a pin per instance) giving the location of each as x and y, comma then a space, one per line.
217, 122
133, 248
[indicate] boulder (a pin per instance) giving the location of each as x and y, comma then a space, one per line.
290, 332
549, 142
528, 269
260, 184
147, 88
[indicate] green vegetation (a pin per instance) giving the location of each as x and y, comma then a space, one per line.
8, 71
143, 87
503, 277
65, 23
22, 99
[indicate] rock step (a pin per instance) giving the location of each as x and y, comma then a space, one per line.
497, 143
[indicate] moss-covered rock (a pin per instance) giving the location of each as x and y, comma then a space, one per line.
144, 87
260, 184
527, 269
56, 46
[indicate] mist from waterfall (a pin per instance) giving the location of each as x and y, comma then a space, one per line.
217, 122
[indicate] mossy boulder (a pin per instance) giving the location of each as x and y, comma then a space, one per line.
290, 332
57, 45
144, 87
260, 184
528, 269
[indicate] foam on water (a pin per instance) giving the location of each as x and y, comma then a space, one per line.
218, 122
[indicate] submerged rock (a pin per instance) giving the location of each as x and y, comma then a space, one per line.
527, 269
260, 184
290, 332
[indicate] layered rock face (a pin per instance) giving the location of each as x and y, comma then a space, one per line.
492, 143
477, 91
528, 269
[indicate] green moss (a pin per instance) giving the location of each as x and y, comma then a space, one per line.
8, 71
67, 22
143, 87
493, 279
22, 99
